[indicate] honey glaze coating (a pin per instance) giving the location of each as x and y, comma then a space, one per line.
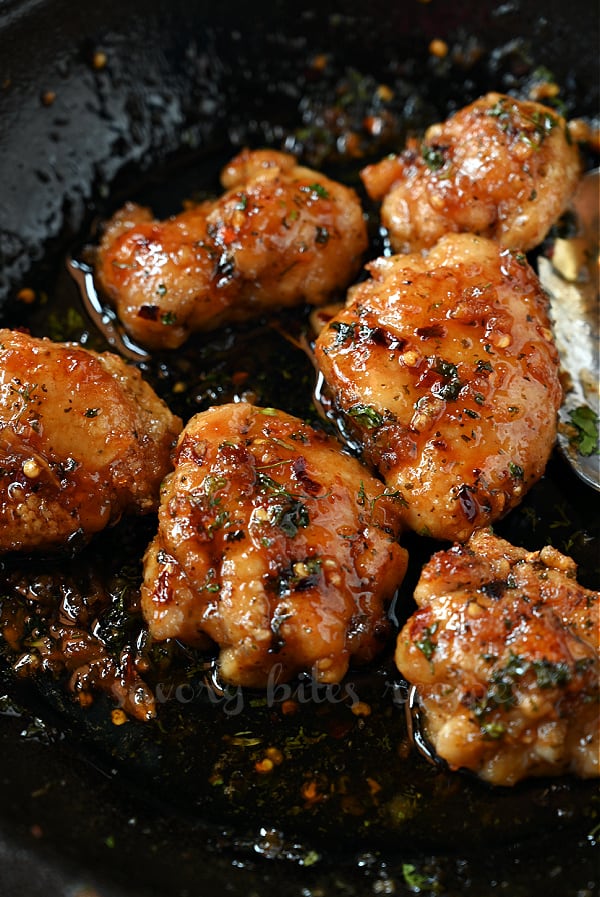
281, 235
501, 167
274, 545
83, 440
503, 651
444, 367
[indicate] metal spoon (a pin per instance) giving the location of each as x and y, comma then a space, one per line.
571, 279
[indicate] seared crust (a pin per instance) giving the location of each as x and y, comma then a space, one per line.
445, 369
281, 235
502, 168
274, 545
83, 440
504, 653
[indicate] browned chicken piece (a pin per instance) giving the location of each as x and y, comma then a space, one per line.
444, 368
83, 440
500, 167
503, 651
280, 235
276, 546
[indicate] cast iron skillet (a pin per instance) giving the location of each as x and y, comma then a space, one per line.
179, 88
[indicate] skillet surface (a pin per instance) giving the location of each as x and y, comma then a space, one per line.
129, 810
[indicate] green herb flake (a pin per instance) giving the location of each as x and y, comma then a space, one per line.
551, 675
242, 203
211, 485
493, 730
585, 421
310, 858
210, 584
394, 496
345, 333
498, 109
361, 498
289, 517
284, 510
220, 521
91, 412
516, 471
531, 129
449, 390
366, 416
168, 319
425, 644
318, 190
433, 156
416, 881
501, 694
544, 122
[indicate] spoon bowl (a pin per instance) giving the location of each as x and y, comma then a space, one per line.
570, 277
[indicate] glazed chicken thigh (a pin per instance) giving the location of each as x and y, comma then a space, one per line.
444, 369
83, 440
503, 651
280, 235
274, 545
500, 167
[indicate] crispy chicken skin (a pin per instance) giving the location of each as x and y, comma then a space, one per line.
500, 167
279, 236
273, 544
444, 367
83, 439
503, 651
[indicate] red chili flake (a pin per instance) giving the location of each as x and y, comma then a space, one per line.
149, 312
432, 332
308, 484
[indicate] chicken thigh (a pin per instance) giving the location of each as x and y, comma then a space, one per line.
503, 651
83, 440
275, 545
501, 168
444, 368
280, 235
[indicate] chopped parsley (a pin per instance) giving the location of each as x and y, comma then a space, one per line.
493, 730
500, 693
318, 189
484, 366
585, 422
366, 416
415, 880
284, 510
433, 156
426, 644
532, 129
515, 470
345, 333
452, 385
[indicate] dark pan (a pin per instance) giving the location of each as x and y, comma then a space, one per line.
178, 808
